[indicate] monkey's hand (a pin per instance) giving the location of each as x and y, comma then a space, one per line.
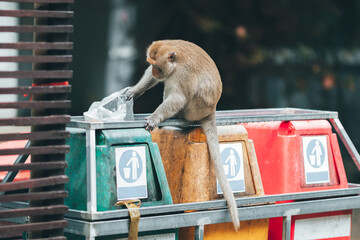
129, 94
151, 123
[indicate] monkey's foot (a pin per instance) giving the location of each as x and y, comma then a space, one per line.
150, 124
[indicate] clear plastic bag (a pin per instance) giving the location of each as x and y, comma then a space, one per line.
112, 108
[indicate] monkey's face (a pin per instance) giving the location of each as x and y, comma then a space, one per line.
162, 59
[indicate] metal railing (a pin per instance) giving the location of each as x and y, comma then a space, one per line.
92, 223
47, 84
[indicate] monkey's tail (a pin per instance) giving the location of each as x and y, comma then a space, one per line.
210, 130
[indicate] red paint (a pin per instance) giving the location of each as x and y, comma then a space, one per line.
64, 83
279, 151
10, 159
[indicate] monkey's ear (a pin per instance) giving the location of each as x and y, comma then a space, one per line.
172, 57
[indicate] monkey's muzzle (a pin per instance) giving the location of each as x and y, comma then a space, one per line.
156, 71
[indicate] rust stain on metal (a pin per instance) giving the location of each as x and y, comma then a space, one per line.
51, 31
54, 59
39, 1
8, 230
38, 29
38, 45
37, 104
55, 209
31, 121
33, 196
31, 166
57, 149
34, 183
36, 90
36, 13
36, 74
35, 136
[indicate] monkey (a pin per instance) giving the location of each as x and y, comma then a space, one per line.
192, 89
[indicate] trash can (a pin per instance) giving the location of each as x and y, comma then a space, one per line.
191, 178
128, 166
10, 159
297, 156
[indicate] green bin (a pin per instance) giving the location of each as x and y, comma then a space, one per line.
128, 166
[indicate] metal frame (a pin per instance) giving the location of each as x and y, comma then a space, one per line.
218, 204
91, 170
92, 229
170, 216
347, 141
222, 118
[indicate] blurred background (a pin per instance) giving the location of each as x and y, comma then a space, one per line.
270, 53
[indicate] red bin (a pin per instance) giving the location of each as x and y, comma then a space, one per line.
296, 156
10, 159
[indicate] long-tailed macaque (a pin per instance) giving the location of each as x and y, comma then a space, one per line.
192, 88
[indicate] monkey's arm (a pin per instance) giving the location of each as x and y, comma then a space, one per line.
169, 107
146, 82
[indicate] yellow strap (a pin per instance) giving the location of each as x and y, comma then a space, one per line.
133, 207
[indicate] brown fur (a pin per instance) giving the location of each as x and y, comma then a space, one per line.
192, 89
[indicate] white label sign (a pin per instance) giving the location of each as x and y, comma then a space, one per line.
131, 172
316, 160
233, 163
329, 227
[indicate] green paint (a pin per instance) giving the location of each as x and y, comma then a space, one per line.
106, 141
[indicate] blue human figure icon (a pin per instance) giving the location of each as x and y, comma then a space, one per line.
134, 161
231, 159
318, 153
